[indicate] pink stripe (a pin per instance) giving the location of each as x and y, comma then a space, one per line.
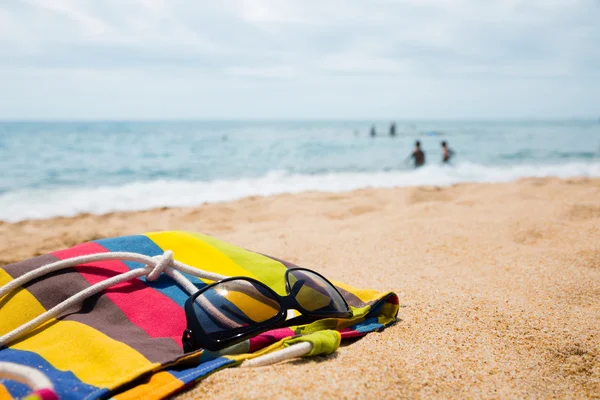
270, 337
43, 394
149, 309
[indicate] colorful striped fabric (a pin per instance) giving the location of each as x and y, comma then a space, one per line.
126, 343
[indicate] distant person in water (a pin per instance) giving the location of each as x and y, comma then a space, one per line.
393, 129
418, 155
373, 131
447, 153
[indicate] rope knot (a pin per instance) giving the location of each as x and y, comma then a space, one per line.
162, 262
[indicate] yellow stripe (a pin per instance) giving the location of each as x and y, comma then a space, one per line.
192, 251
17, 307
312, 299
270, 272
93, 357
159, 386
254, 309
365, 295
388, 313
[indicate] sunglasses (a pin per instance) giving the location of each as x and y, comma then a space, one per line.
232, 310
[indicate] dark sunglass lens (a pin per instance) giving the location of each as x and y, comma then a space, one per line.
314, 293
234, 308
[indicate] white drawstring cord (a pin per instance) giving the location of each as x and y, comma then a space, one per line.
31, 377
119, 256
161, 265
67, 304
153, 269
295, 350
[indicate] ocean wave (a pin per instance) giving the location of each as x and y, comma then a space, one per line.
580, 155
67, 201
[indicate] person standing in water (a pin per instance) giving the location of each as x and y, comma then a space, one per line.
393, 129
418, 155
372, 130
447, 153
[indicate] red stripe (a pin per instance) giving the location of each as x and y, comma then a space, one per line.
270, 337
348, 333
147, 308
392, 299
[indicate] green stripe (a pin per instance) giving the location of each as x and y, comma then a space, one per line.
269, 271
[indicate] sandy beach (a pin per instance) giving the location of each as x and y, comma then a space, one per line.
499, 284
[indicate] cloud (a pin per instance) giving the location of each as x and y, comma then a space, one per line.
311, 48
264, 72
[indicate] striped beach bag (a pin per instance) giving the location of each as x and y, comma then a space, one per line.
125, 340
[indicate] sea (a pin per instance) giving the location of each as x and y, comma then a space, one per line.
64, 168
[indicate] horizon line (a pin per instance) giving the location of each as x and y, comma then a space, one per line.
297, 119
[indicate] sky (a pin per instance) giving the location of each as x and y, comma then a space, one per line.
280, 59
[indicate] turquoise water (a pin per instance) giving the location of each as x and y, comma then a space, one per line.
62, 168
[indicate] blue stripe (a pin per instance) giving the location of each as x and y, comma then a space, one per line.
144, 245
204, 368
368, 325
16, 390
66, 384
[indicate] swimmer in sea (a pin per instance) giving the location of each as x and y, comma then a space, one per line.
447, 153
418, 155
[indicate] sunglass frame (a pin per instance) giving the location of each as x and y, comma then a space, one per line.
195, 337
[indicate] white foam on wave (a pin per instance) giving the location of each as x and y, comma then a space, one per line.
38, 203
